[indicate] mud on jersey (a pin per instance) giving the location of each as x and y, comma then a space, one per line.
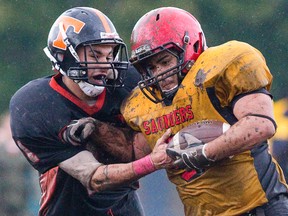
220, 74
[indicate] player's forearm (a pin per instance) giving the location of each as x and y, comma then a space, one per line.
117, 141
110, 176
249, 131
140, 146
100, 138
254, 130
124, 144
118, 144
99, 177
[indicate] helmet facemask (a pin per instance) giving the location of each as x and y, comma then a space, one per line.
150, 84
78, 70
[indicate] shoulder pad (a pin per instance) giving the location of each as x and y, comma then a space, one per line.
232, 68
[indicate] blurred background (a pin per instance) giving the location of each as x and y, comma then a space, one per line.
24, 26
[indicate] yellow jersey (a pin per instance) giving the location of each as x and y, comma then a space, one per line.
234, 186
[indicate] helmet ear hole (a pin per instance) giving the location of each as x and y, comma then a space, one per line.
67, 62
196, 46
60, 57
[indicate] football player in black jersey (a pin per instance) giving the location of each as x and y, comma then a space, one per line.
91, 64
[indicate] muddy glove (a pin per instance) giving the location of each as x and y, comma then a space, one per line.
190, 158
78, 131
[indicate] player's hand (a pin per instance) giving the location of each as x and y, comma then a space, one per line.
78, 131
159, 156
191, 158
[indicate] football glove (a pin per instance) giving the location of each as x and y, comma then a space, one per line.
191, 158
78, 131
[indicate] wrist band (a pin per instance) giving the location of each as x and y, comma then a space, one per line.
204, 154
143, 166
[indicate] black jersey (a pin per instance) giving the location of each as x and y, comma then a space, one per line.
39, 110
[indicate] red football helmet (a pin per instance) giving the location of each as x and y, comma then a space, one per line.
84, 26
165, 29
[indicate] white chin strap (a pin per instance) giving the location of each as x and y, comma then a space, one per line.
91, 90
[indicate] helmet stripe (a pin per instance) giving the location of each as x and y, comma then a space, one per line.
104, 21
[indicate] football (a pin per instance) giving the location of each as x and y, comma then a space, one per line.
202, 131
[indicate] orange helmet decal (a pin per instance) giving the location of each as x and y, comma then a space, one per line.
67, 22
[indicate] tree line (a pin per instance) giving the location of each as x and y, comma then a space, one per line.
24, 27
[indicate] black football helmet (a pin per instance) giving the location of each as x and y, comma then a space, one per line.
86, 27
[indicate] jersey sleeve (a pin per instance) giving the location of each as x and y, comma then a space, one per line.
43, 160
35, 131
246, 73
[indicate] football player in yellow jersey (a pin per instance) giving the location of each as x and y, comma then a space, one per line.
184, 82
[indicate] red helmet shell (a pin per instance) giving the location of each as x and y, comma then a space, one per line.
164, 25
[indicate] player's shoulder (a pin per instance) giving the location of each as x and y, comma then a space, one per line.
232, 68
132, 97
32, 109
136, 104
234, 44
232, 56
233, 52
33, 86
234, 48
31, 91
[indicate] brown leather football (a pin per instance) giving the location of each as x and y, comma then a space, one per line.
199, 132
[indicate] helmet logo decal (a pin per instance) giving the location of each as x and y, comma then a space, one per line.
141, 49
67, 21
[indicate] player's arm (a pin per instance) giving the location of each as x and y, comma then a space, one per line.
255, 125
99, 177
122, 143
